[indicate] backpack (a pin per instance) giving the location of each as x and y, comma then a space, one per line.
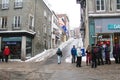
95, 50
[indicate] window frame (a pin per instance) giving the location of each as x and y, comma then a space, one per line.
31, 22
18, 3
100, 6
5, 4
3, 22
117, 5
17, 22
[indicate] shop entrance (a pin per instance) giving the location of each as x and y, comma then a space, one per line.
15, 49
14, 44
103, 39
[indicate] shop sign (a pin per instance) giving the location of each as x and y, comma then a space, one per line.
11, 43
114, 27
104, 39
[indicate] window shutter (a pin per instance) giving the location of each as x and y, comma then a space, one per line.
1, 22
18, 21
14, 21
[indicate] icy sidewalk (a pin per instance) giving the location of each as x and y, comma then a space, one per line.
48, 53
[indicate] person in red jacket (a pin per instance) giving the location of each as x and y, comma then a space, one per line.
6, 53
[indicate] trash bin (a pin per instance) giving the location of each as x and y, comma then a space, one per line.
83, 51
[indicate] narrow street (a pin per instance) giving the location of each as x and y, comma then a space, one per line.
50, 70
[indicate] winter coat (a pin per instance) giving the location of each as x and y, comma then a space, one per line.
74, 51
79, 52
59, 52
6, 51
93, 53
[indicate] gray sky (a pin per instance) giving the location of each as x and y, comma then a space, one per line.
68, 7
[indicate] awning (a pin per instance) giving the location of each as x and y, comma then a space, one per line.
17, 33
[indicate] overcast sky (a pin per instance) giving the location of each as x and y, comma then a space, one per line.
68, 7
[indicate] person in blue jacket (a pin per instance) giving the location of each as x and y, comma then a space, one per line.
73, 53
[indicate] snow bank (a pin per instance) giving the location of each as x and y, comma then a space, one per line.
48, 53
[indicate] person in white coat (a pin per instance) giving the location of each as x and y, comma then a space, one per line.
79, 57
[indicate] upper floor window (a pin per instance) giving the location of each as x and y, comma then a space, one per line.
31, 22
118, 4
45, 14
18, 4
44, 28
100, 5
5, 4
3, 22
16, 22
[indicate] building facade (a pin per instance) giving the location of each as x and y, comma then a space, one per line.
25, 26
56, 31
102, 22
64, 25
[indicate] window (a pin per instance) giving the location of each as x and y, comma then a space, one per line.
45, 13
3, 22
18, 4
45, 28
118, 4
100, 5
16, 21
5, 4
31, 22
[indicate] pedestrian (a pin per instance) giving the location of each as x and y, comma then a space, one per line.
107, 54
88, 55
59, 55
94, 56
6, 53
1, 56
100, 56
79, 57
73, 53
116, 53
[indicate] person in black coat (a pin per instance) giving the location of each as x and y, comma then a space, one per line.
59, 55
107, 54
100, 56
94, 56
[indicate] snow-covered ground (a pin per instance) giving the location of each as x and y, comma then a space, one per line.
48, 53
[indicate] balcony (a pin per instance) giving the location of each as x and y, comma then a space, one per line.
18, 5
4, 6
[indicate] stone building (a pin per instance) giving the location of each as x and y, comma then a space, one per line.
102, 21
64, 25
25, 26
56, 31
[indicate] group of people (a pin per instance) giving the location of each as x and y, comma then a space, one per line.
4, 54
75, 53
95, 54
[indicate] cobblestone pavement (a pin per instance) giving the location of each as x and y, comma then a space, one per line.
54, 71
50, 70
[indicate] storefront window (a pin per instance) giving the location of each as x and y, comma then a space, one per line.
28, 47
14, 44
